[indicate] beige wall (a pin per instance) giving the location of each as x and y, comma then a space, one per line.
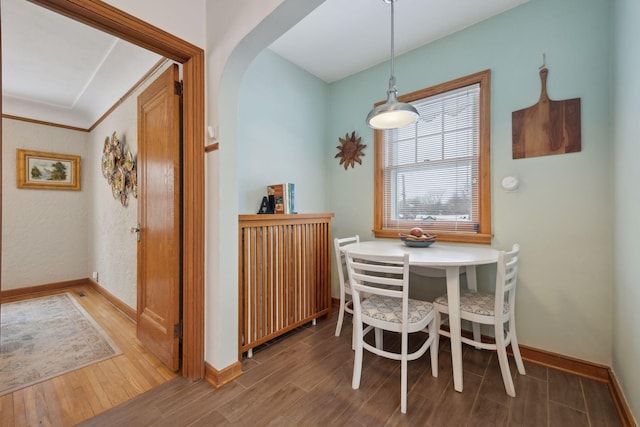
93, 233
111, 247
44, 232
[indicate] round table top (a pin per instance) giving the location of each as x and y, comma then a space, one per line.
436, 255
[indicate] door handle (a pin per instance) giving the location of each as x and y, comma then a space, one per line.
136, 230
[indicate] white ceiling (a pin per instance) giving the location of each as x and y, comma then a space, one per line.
343, 37
57, 70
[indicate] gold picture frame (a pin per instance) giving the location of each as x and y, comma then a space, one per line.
47, 171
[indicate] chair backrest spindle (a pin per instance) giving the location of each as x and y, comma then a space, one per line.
506, 279
345, 287
341, 262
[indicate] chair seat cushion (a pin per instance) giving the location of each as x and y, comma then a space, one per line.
481, 303
389, 309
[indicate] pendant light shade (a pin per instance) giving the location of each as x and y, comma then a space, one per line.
392, 114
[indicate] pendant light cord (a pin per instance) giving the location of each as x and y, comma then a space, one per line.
392, 78
392, 114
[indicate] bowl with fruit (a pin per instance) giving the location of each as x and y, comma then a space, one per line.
418, 238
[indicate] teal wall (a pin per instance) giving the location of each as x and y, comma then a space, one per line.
561, 214
574, 214
626, 176
281, 133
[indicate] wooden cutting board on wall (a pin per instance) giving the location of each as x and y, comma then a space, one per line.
548, 127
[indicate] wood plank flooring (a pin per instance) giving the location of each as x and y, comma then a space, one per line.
304, 379
76, 396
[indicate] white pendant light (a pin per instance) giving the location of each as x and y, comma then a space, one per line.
392, 114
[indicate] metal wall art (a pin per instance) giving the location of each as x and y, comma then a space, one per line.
119, 168
350, 150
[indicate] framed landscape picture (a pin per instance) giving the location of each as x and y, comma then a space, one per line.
48, 171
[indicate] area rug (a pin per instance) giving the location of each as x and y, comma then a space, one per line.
42, 338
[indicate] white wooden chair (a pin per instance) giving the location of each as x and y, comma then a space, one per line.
345, 288
495, 309
380, 291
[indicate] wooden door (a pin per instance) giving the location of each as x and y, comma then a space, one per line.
159, 247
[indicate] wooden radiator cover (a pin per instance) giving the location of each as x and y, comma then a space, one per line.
285, 274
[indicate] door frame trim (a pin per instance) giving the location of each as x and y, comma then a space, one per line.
118, 23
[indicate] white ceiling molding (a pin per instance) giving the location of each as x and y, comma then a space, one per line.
57, 70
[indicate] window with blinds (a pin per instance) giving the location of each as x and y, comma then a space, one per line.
431, 173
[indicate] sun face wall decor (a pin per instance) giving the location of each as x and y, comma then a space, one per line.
119, 168
350, 150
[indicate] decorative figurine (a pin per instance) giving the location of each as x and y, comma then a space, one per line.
264, 206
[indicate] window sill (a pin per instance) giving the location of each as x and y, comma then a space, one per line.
442, 237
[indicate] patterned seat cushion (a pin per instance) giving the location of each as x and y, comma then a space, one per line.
481, 303
389, 309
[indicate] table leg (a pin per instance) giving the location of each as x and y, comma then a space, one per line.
453, 295
472, 284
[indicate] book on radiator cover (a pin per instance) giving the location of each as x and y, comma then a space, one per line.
284, 195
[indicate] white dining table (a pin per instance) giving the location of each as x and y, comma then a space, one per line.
449, 257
